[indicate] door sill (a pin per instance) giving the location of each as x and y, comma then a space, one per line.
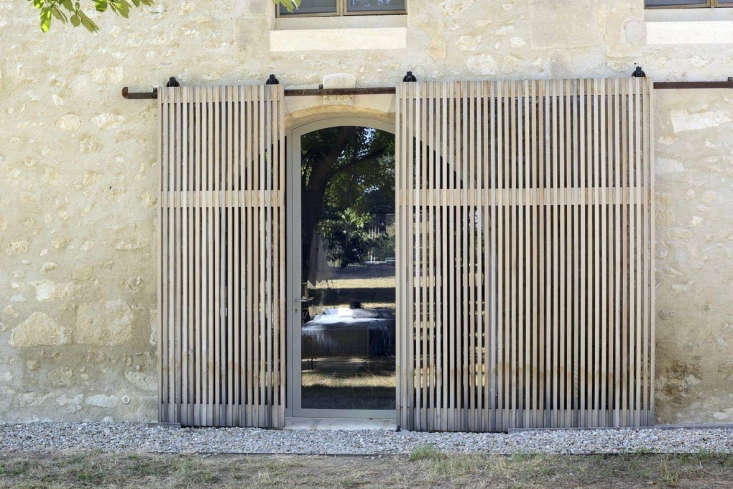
346, 424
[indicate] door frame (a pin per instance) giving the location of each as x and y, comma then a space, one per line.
293, 229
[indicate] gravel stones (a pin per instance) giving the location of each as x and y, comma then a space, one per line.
139, 437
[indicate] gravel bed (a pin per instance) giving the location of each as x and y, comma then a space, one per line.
139, 437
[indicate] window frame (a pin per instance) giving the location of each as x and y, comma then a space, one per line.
708, 4
341, 11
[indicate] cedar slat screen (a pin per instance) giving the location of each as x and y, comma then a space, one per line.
525, 254
222, 256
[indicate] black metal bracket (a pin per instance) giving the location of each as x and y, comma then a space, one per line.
153, 94
139, 95
409, 78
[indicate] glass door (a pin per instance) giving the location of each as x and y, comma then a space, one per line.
343, 348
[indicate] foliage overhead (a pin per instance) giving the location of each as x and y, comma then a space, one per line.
68, 11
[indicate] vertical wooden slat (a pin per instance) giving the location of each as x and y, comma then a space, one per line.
262, 270
433, 323
450, 168
250, 301
543, 293
491, 181
501, 371
227, 244
649, 196
171, 343
409, 221
420, 269
206, 306
462, 235
577, 291
624, 306
638, 326
445, 263
555, 265
517, 264
526, 247
596, 258
162, 261
196, 213
617, 253
583, 132
562, 285
484, 312
237, 265
188, 210
534, 185
469, 232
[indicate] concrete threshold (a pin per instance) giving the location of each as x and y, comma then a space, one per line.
346, 424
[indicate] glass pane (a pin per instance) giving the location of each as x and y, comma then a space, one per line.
374, 5
348, 269
675, 3
312, 7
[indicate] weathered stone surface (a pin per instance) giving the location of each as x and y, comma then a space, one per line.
62, 376
142, 381
682, 120
483, 64
40, 330
101, 400
103, 323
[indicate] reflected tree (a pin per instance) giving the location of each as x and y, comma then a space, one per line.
347, 179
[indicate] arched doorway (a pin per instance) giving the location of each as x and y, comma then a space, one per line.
341, 325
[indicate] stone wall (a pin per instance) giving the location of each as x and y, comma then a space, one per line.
694, 231
78, 177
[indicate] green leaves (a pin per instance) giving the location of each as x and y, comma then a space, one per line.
288, 4
87, 22
45, 18
70, 11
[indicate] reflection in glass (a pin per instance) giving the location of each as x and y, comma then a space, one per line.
374, 5
311, 7
348, 272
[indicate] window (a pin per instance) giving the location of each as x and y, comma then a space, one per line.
688, 3
345, 7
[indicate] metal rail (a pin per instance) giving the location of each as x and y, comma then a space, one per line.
409, 77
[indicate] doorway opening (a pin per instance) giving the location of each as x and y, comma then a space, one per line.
342, 333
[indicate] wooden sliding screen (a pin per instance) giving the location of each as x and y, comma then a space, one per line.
222, 256
525, 257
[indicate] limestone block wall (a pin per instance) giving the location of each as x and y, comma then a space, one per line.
694, 252
78, 168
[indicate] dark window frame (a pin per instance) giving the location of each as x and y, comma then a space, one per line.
708, 4
341, 11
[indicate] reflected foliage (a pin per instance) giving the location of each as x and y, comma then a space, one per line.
347, 182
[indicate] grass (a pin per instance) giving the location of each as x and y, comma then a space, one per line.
426, 467
426, 452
